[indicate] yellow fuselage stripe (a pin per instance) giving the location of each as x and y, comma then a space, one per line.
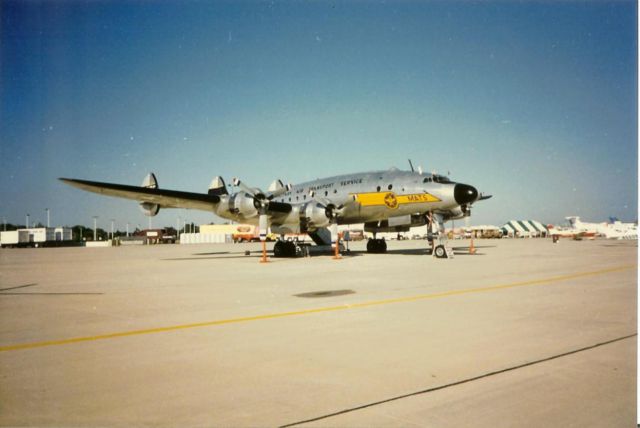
378, 198
543, 281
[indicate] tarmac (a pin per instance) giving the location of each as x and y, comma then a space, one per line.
524, 333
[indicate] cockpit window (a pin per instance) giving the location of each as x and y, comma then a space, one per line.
437, 178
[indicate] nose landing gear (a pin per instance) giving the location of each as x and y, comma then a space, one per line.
438, 238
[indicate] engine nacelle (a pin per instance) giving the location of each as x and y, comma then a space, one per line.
459, 212
149, 209
243, 204
314, 216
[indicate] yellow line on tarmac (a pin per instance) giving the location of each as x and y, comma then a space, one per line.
543, 281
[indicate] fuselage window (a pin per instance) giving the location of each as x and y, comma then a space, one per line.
326, 193
390, 186
378, 189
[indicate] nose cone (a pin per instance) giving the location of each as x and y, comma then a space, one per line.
465, 194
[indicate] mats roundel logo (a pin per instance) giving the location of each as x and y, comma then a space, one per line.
391, 201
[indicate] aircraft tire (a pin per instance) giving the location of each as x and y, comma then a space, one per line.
290, 249
376, 246
441, 252
278, 249
284, 249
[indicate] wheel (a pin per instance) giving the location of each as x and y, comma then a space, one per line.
290, 249
441, 253
376, 246
370, 246
278, 249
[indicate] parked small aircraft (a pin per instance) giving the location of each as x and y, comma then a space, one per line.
385, 201
613, 230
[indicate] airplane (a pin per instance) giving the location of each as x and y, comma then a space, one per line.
385, 201
613, 230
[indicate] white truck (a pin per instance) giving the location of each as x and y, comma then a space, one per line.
14, 238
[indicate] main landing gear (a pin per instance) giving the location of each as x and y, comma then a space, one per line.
376, 246
286, 249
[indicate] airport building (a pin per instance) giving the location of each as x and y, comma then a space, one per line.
36, 236
219, 234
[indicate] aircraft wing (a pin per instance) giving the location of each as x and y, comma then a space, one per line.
162, 197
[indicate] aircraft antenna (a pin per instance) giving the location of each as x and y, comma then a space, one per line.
411, 165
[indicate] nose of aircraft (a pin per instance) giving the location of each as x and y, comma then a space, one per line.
464, 194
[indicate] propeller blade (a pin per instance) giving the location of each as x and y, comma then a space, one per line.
238, 183
279, 207
262, 225
333, 228
484, 197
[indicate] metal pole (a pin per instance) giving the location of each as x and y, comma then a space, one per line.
27, 221
48, 220
95, 218
112, 220
127, 229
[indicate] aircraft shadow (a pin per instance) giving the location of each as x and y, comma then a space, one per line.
221, 257
3, 292
19, 286
457, 251
51, 294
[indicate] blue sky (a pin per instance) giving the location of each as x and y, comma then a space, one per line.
533, 102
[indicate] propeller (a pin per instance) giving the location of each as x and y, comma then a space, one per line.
263, 201
332, 212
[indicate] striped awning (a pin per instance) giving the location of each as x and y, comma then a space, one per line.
524, 227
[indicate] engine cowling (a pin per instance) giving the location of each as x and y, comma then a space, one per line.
460, 212
314, 216
243, 204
